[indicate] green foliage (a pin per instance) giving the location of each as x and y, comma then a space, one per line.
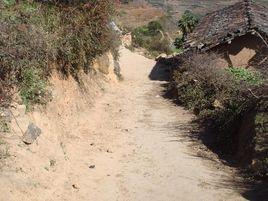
213, 94
37, 36
251, 77
140, 37
187, 23
151, 37
178, 43
222, 99
4, 126
32, 87
9, 2
154, 27
86, 35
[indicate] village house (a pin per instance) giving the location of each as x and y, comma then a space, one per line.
239, 33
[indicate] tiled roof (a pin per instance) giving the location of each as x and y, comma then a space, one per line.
224, 25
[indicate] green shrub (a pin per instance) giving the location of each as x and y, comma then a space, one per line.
154, 27
140, 37
37, 36
222, 99
4, 126
9, 2
152, 38
187, 23
251, 77
204, 82
32, 87
178, 43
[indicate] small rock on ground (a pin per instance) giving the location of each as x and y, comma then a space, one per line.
31, 134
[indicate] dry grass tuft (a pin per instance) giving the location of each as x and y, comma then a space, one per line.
39, 35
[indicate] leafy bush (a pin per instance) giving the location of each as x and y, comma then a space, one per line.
152, 38
251, 77
32, 87
222, 100
85, 36
154, 27
4, 126
141, 37
37, 36
178, 43
187, 23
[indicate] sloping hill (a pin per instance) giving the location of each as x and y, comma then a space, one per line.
201, 7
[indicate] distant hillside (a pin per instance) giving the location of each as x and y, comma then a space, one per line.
201, 7
177, 7
134, 13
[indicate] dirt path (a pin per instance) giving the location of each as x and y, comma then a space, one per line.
128, 147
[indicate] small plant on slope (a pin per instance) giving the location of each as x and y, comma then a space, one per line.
251, 77
32, 88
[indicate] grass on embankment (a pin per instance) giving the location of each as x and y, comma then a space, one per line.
39, 36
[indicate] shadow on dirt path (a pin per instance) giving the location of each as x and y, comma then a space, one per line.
201, 142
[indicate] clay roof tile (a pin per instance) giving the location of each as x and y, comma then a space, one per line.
224, 25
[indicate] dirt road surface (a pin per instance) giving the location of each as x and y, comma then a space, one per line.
129, 147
